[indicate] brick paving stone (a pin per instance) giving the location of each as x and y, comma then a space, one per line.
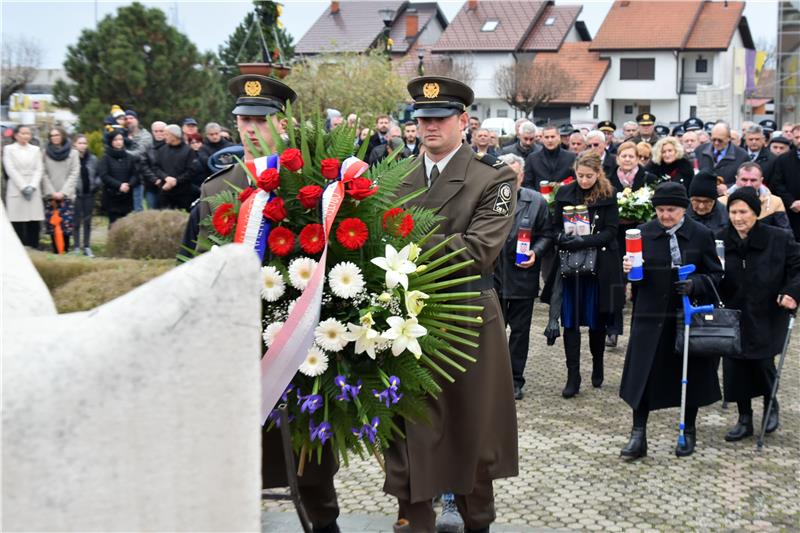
571, 476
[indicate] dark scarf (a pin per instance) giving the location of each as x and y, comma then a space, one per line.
59, 152
116, 154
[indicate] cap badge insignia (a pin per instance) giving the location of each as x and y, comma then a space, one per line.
252, 88
430, 90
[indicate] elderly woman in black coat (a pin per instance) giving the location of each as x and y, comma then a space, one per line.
651, 376
589, 300
762, 280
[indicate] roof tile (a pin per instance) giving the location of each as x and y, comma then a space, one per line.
651, 25
549, 38
514, 20
715, 26
425, 12
353, 29
584, 66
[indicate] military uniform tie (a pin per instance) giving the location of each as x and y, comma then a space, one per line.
434, 174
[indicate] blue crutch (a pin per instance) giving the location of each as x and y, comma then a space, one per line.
688, 311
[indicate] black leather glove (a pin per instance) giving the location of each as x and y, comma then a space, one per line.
684, 287
569, 242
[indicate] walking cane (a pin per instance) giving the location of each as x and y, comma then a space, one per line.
688, 311
760, 443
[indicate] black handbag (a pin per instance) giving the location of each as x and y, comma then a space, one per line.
715, 334
581, 262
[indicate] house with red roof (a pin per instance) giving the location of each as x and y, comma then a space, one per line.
489, 34
675, 59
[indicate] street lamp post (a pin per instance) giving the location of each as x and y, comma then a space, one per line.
387, 16
421, 66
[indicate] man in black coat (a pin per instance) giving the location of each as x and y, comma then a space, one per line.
721, 156
382, 124
174, 160
517, 283
651, 376
756, 143
551, 163
213, 143
786, 182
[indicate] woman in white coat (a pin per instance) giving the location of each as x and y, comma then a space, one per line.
24, 167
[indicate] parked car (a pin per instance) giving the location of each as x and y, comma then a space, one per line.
502, 126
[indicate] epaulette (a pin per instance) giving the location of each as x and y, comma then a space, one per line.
489, 159
217, 174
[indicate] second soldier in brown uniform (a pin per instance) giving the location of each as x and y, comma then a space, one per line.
471, 438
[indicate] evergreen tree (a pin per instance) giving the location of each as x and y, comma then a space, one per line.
137, 60
245, 43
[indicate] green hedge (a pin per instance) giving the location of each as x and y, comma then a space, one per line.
152, 234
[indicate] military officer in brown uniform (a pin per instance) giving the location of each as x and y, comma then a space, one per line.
647, 128
261, 99
471, 438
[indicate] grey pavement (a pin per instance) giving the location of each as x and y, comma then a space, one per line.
571, 476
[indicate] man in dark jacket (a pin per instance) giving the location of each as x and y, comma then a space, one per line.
647, 126
786, 182
152, 184
173, 168
382, 124
517, 282
704, 207
394, 141
757, 151
773, 212
214, 142
551, 163
525, 143
721, 156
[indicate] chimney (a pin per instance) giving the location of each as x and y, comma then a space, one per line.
472, 5
412, 23
334, 7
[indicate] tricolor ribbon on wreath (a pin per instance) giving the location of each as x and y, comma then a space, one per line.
290, 346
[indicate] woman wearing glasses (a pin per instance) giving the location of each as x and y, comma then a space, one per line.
62, 167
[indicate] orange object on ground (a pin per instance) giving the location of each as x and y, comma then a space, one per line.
58, 234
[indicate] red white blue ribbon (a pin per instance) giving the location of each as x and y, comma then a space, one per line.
252, 228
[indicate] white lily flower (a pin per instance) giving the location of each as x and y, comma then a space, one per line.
414, 302
397, 266
404, 334
365, 338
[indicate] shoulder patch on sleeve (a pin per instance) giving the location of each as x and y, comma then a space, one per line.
502, 201
217, 174
489, 159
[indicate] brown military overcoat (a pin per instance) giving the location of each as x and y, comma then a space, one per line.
472, 434
215, 184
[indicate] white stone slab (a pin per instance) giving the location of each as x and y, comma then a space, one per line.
24, 291
143, 414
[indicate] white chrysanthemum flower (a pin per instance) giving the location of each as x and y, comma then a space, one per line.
330, 335
346, 280
270, 332
316, 362
404, 334
272, 284
300, 271
365, 338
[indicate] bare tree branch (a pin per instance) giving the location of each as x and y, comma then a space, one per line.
20, 59
526, 85
460, 68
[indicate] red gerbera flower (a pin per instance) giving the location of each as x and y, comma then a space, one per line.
281, 241
312, 239
397, 222
224, 219
352, 233
246, 193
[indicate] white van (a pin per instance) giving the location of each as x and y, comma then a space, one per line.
504, 127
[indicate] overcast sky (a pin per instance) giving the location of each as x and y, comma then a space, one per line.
58, 24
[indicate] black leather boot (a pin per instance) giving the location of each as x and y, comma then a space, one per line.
597, 372
637, 445
774, 420
742, 429
573, 385
690, 438
598, 348
333, 527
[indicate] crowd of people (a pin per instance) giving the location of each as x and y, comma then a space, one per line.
712, 184
162, 168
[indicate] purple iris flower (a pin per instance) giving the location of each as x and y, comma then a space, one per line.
370, 430
349, 392
275, 416
322, 432
311, 403
382, 396
390, 396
